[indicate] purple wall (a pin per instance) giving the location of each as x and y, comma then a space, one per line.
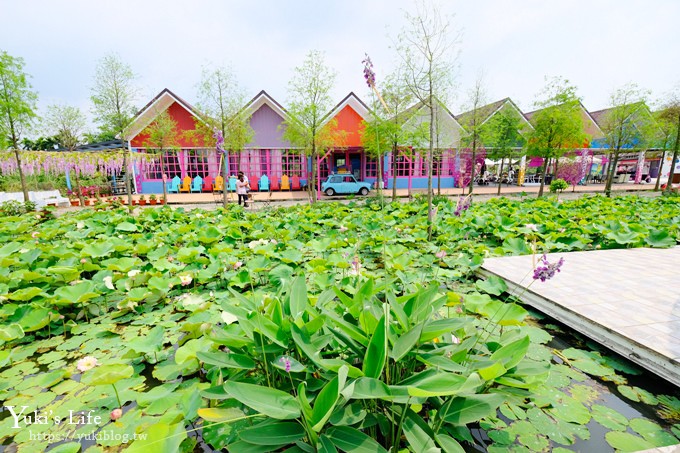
265, 123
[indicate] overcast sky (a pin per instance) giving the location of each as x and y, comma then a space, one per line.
597, 44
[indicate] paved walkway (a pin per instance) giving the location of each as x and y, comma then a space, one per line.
188, 198
626, 299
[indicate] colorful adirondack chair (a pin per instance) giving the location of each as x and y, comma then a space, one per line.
208, 184
219, 184
274, 184
295, 183
197, 185
232, 184
173, 185
264, 183
285, 182
186, 184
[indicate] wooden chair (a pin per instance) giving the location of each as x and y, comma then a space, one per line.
285, 182
186, 185
274, 184
208, 184
295, 183
219, 184
173, 185
197, 185
264, 183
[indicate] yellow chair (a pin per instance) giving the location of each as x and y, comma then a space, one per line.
285, 182
218, 186
186, 185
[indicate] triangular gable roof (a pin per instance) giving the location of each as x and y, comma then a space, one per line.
161, 102
354, 102
598, 131
490, 110
600, 115
419, 105
451, 136
264, 98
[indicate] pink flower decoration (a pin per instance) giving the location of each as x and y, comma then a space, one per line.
116, 414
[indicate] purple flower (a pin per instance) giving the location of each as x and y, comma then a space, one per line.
462, 205
220, 140
369, 75
545, 270
286, 363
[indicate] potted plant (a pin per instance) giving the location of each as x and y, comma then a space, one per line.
73, 197
142, 200
152, 199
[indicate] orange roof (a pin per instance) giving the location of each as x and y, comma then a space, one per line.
351, 124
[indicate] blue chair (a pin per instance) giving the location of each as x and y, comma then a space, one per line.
197, 184
264, 183
232, 184
173, 185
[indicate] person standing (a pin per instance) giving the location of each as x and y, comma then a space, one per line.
242, 190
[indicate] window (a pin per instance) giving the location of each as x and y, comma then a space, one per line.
292, 164
264, 162
197, 163
152, 169
371, 167
403, 164
348, 179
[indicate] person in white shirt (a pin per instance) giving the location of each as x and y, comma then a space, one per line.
242, 190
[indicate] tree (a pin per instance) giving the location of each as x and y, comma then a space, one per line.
17, 107
163, 137
67, 123
425, 47
309, 100
670, 123
387, 129
221, 99
473, 123
558, 126
113, 95
503, 134
41, 144
620, 126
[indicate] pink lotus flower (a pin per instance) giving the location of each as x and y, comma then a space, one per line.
440, 254
237, 265
35, 234
185, 279
343, 228
83, 261
116, 414
86, 363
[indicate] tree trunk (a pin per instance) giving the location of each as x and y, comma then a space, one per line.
430, 216
378, 179
225, 178
394, 172
164, 179
500, 176
612, 171
76, 179
658, 175
313, 182
669, 183
543, 170
128, 187
474, 166
557, 166
22, 178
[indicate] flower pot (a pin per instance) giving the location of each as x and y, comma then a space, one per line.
153, 202
75, 202
142, 202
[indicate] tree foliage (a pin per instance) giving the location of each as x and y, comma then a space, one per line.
17, 107
623, 125
503, 137
558, 125
67, 124
425, 46
163, 136
473, 125
309, 101
669, 122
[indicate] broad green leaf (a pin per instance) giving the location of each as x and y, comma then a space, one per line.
278, 433
11, 332
462, 410
660, 238
609, 418
652, 432
492, 285
352, 440
376, 353
106, 374
298, 297
25, 294
626, 442
126, 226
268, 401
418, 434
160, 438
449, 444
227, 360
511, 353
219, 414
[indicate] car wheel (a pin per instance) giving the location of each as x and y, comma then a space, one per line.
363, 191
330, 192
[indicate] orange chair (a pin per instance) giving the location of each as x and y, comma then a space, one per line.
295, 183
186, 185
285, 182
218, 186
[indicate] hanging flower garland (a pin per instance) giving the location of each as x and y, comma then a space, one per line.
59, 162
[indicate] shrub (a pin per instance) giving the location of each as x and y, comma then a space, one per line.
558, 185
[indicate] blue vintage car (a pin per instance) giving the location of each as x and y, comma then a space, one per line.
344, 183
